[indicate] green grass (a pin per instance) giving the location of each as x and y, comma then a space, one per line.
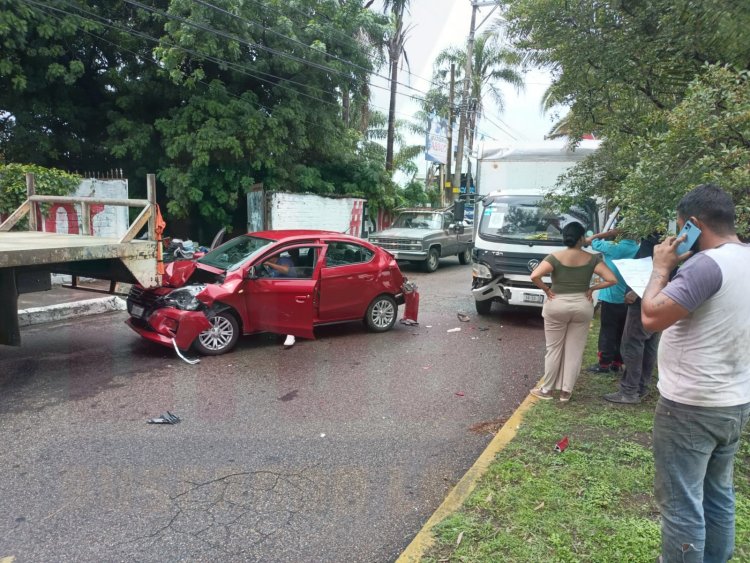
593, 503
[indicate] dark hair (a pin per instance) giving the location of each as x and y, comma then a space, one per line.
572, 233
712, 205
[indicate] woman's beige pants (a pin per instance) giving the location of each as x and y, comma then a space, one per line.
566, 325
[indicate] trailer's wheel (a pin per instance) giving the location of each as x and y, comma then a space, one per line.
483, 307
221, 337
433, 259
465, 256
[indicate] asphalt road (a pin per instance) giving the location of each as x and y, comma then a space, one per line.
336, 450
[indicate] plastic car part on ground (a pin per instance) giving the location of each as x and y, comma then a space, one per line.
166, 418
411, 299
182, 356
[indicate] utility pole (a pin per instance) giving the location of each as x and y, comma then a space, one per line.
449, 161
475, 4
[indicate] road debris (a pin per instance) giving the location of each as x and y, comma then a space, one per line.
453, 330
166, 418
463, 317
459, 393
188, 360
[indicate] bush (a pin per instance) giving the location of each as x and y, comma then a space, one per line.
49, 181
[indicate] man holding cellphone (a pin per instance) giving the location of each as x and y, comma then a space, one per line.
704, 377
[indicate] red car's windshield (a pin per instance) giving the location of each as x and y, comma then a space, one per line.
231, 255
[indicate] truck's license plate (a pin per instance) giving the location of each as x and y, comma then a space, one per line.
137, 311
533, 298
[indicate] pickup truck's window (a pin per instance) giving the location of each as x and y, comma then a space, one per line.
419, 220
528, 219
346, 253
232, 254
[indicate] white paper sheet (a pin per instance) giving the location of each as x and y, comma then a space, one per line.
635, 272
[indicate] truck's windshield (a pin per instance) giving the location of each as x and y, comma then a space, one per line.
529, 218
419, 221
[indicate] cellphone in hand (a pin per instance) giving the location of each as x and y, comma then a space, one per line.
692, 233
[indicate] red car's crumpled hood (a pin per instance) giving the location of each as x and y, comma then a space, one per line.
178, 272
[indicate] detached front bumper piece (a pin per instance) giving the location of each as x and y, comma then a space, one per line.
165, 324
411, 298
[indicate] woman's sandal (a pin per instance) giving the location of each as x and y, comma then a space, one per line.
541, 394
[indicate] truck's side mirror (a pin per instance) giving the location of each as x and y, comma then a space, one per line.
458, 212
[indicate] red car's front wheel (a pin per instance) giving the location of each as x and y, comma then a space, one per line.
221, 337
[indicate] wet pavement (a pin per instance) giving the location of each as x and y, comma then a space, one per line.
335, 450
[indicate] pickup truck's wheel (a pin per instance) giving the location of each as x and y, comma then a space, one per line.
465, 256
221, 337
381, 314
483, 307
433, 259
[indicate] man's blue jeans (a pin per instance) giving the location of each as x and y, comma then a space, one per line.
694, 449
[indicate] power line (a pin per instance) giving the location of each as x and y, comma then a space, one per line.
232, 66
298, 42
238, 68
251, 44
40, 6
342, 34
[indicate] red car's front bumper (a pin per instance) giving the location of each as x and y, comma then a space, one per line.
168, 323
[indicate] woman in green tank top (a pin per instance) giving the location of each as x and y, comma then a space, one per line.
568, 309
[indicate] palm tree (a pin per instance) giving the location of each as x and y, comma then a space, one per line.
492, 65
396, 43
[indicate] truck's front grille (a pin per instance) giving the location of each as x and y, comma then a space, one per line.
397, 244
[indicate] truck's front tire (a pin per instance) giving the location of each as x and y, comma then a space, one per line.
483, 307
433, 259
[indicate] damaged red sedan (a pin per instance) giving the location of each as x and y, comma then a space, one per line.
286, 282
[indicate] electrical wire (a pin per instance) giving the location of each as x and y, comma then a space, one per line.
341, 34
252, 44
105, 22
298, 42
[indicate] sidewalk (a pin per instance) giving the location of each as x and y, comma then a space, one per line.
62, 303
591, 503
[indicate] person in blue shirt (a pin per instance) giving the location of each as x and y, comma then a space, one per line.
283, 267
614, 310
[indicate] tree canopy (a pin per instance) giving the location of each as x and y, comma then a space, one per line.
214, 95
662, 82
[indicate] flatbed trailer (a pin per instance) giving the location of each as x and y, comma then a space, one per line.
27, 258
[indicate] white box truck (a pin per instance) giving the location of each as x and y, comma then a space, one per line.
514, 226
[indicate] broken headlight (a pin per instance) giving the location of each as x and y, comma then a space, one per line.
185, 298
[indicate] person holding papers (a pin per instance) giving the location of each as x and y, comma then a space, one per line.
639, 346
612, 299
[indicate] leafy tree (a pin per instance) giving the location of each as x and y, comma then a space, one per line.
215, 95
396, 36
643, 76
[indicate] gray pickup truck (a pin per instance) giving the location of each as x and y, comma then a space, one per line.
425, 235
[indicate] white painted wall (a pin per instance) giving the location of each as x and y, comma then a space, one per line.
308, 211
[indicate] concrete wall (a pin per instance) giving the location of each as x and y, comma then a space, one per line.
308, 211
106, 220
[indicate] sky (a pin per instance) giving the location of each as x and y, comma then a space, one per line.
443, 23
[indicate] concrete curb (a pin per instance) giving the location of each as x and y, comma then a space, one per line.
455, 499
63, 311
